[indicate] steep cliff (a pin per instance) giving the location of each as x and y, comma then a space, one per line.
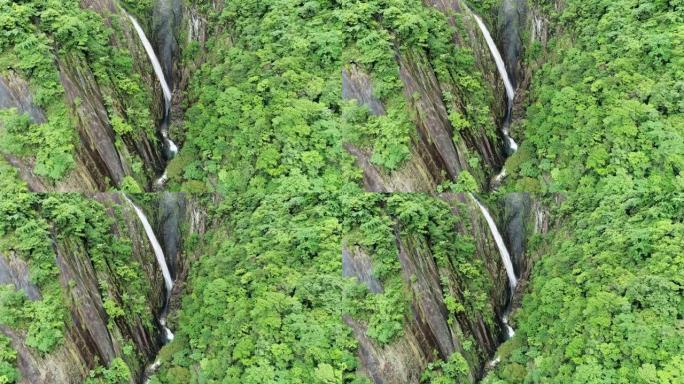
97, 121
89, 263
452, 295
452, 94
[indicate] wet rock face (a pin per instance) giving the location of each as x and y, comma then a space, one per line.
357, 263
516, 214
14, 271
166, 19
171, 211
512, 16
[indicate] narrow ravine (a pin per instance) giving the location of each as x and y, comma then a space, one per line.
510, 144
168, 281
511, 147
508, 265
170, 148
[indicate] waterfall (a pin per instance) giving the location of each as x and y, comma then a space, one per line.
153, 59
505, 256
512, 146
169, 145
510, 92
155, 246
161, 260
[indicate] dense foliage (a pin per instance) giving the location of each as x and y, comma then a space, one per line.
41, 40
266, 125
34, 227
605, 128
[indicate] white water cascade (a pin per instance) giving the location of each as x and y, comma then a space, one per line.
161, 260
505, 257
170, 145
510, 91
153, 59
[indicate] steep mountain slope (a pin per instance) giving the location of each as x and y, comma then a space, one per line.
291, 112
80, 290
78, 96
605, 128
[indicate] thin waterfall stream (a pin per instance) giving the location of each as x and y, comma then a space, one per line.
511, 145
505, 258
169, 146
168, 281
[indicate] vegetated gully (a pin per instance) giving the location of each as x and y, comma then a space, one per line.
170, 149
511, 147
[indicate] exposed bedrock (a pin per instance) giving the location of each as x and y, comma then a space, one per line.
166, 19
14, 271
170, 217
429, 327
517, 208
512, 16
436, 155
91, 337
357, 263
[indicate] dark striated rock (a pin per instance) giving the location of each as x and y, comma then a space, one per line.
421, 273
356, 85
89, 320
357, 263
511, 21
96, 149
14, 271
516, 212
171, 212
424, 95
166, 19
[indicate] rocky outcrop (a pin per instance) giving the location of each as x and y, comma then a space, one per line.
14, 93
438, 152
96, 150
14, 271
91, 337
424, 94
430, 330
357, 263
